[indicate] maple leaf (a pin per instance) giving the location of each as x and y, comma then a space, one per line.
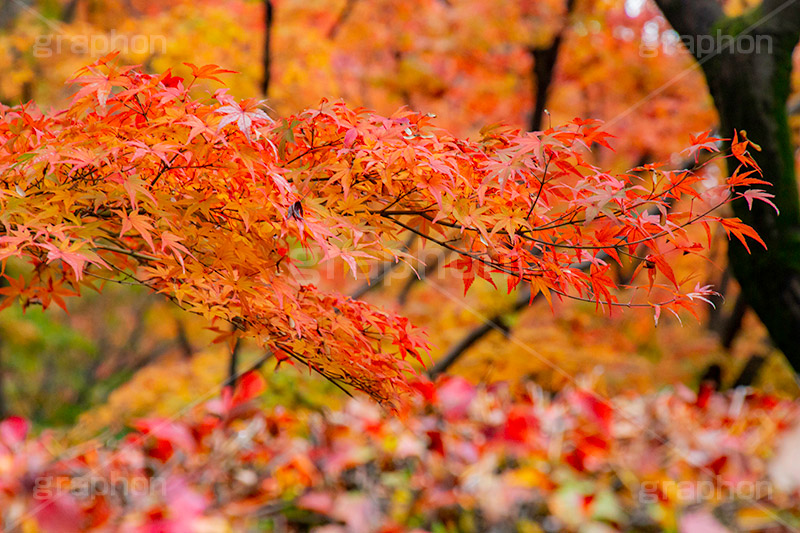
171, 81
737, 228
68, 252
208, 71
759, 194
656, 314
243, 114
13, 430
172, 242
94, 81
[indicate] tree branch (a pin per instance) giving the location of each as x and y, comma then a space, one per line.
543, 71
344, 14
384, 271
413, 279
233, 365
750, 372
495, 323
267, 53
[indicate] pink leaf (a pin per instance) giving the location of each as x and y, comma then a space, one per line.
58, 512
759, 194
13, 430
350, 137
454, 396
700, 522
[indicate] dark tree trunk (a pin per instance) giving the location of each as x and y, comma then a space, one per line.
750, 90
10, 10
543, 72
269, 15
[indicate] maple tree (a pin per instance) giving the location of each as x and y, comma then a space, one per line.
471, 70
472, 65
202, 201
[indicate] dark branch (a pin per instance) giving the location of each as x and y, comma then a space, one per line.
344, 14
733, 323
495, 323
385, 270
267, 54
233, 364
750, 372
543, 71
412, 280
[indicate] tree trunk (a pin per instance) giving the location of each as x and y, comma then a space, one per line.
543, 71
748, 76
269, 16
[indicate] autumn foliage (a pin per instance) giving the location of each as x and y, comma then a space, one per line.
465, 458
203, 199
185, 250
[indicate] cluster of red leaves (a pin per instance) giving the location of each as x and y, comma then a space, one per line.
203, 201
485, 459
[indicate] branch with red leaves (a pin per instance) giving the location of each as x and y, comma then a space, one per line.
203, 200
